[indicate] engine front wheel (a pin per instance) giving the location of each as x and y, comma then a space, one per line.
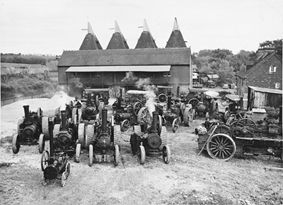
44, 160
141, 154
166, 154
15, 144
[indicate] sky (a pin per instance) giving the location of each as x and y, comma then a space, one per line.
51, 26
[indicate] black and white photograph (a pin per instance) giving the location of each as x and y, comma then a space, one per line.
153, 102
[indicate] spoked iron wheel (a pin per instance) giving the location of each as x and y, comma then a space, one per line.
137, 106
141, 154
224, 129
166, 154
175, 124
44, 160
194, 102
221, 146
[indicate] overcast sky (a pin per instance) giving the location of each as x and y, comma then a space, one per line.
51, 26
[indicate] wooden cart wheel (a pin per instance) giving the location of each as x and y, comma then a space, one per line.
56, 130
224, 129
44, 160
144, 116
175, 124
125, 125
141, 154
41, 143
136, 107
166, 154
81, 134
244, 122
116, 155
78, 152
221, 146
90, 155
15, 144
194, 102
89, 135
45, 126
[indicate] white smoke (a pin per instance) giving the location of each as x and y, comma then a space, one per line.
146, 85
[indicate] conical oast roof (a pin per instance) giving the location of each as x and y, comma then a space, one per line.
146, 40
90, 41
176, 39
117, 40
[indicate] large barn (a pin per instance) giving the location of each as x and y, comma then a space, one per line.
119, 66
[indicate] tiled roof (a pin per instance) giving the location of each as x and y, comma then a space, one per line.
90, 42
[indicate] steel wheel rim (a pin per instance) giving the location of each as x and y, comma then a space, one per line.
221, 146
44, 160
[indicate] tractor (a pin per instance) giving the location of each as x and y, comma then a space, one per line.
150, 139
55, 161
32, 129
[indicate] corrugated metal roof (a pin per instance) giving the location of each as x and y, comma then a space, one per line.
266, 90
160, 68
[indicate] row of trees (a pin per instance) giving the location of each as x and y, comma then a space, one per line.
26, 59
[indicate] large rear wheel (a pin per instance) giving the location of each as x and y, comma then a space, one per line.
116, 155
78, 152
89, 135
141, 154
45, 126
175, 124
41, 143
81, 133
44, 160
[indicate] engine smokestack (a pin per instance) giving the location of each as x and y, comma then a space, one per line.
169, 101
26, 110
104, 120
64, 119
154, 122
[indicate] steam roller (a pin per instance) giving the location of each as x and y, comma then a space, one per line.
150, 138
32, 129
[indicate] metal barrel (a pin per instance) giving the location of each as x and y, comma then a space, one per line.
26, 110
104, 120
64, 119
154, 121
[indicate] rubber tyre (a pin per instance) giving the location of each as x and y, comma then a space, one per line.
116, 155
166, 154
78, 152
89, 135
44, 160
90, 151
15, 144
81, 134
41, 143
141, 155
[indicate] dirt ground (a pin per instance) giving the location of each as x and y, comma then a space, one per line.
188, 179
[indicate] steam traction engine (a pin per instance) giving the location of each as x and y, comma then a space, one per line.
55, 162
150, 140
170, 113
89, 122
126, 112
31, 130
102, 147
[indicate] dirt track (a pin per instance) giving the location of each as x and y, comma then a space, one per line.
188, 179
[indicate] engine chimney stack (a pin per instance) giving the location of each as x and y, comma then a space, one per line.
104, 120
64, 119
26, 109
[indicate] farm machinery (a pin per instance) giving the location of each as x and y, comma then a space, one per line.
55, 162
240, 136
126, 111
150, 139
32, 129
102, 147
90, 120
169, 108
